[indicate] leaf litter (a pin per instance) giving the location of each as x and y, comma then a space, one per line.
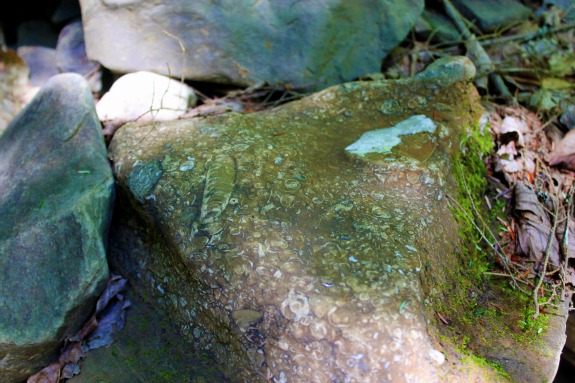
526, 79
99, 331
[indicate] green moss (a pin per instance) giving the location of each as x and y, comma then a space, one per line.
471, 358
482, 362
529, 330
462, 282
486, 315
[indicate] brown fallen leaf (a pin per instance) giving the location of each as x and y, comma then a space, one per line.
534, 225
563, 155
97, 332
49, 374
512, 130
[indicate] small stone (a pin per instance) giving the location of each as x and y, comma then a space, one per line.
144, 96
448, 70
437, 356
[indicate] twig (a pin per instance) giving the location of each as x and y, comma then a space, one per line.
564, 244
545, 262
528, 36
484, 237
505, 275
551, 120
480, 58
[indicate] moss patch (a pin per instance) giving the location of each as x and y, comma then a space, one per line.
489, 323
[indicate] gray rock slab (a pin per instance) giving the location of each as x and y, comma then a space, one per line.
57, 195
280, 42
489, 15
71, 55
437, 27
293, 259
66, 11
41, 61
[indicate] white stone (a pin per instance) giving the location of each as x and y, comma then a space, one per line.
144, 96
437, 356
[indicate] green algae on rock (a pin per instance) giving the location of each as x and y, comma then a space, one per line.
307, 263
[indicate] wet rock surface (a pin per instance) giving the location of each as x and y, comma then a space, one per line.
56, 203
150, 348
286, 256
298, 43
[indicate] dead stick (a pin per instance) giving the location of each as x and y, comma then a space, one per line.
545, 262
480, 58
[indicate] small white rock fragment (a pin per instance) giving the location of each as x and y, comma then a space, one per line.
188, 165
437, 356
144, 96
382, 140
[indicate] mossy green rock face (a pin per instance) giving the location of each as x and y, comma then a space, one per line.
289, 257
55, 207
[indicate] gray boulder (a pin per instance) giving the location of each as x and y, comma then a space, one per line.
291, 42
489, 15
56, 201
41, 61
71, 55
316, 243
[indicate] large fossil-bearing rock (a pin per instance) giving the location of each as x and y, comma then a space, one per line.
308, 243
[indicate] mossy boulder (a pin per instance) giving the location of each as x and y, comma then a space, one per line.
312, 242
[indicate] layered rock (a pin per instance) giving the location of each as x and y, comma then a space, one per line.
280, 42
312, 242
57, 195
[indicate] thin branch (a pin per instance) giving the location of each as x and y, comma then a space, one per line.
528, 36
484, 237
545, 262
480, 58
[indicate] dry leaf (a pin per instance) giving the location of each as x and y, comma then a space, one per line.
97, 332
507, 151
507, 166
534, 226
512, 130
49, 374
564, 154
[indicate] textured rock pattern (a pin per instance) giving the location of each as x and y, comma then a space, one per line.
56, 201
322, 249
292, 259
287, 42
